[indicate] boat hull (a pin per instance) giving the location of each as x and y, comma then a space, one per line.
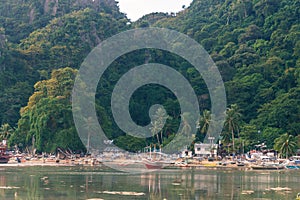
155, 164
292, 167
258, 167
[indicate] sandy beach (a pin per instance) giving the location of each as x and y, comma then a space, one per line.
120, 163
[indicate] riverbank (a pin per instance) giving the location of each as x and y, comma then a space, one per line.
50, 162
123, 163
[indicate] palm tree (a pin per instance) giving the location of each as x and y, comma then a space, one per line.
157, 126
232, 121
90, 126
5, 131
204, 121
286, 145
161, 116
186, 128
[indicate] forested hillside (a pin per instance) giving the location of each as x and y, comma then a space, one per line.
21, 17
255, 44
63, 40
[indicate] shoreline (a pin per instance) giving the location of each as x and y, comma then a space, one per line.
127, 164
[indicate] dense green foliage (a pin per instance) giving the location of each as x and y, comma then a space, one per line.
20, 18
46, 122
254, 43
63, 41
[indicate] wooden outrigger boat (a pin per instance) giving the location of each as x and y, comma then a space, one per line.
155, 164
267, 167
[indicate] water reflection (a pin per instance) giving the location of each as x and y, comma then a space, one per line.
47, 183
231, 185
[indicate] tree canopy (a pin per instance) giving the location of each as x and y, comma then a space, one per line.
254, 43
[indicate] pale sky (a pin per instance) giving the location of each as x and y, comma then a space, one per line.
135, 9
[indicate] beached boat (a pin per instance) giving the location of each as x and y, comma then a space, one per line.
292, 167
296, 160
181, 164
267, 167
154, 164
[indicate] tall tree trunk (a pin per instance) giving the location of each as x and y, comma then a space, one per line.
157, 136
161, 136
233, 146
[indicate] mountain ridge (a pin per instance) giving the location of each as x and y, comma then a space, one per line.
254, 43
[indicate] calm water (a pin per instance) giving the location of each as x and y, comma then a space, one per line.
30, 183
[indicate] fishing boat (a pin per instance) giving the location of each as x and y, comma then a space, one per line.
267, 166
292, 167
152, 164
157, 160
296, 160
149, 164
294, 163
182, 163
